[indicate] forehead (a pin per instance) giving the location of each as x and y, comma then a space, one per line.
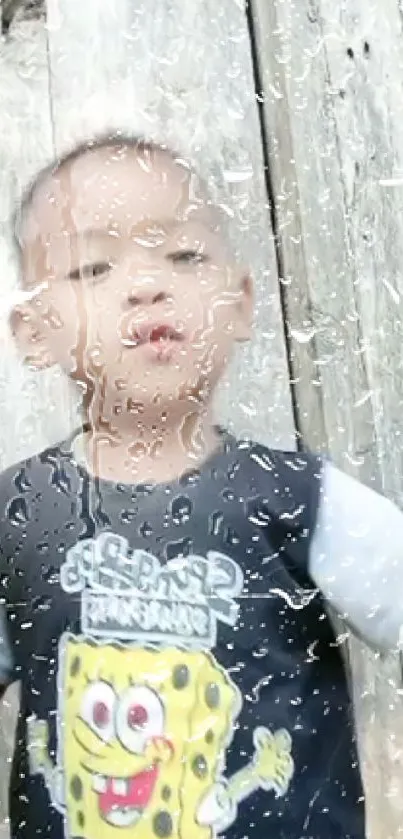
118, 189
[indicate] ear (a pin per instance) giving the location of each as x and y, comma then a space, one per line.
29, 336
245, 309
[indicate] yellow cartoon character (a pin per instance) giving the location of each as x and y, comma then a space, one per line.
141, 744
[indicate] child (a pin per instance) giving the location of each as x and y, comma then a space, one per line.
165, 586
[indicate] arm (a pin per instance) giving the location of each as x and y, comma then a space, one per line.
356, 558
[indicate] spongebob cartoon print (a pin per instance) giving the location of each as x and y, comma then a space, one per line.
145, 711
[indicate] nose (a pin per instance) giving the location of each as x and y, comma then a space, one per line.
146, 290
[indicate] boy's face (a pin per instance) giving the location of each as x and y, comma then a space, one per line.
135, 287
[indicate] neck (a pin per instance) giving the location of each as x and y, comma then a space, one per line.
148, 444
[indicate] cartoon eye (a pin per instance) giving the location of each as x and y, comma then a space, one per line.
139, 717
97, 709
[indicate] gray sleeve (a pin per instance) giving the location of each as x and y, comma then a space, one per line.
6, 655
356, 558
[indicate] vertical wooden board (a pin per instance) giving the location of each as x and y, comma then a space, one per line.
35, 408
319, 279
364, 53
21, 430
182, 73
332, 126
365, 66
30, 402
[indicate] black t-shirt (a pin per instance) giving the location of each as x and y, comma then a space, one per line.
179, 675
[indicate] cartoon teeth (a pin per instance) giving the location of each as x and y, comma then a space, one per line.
99, 783
119, 786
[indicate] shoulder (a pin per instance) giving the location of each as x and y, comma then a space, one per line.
289, 474
285, 464
285, 485
29, 477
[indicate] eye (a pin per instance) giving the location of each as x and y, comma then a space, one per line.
97, 709
140, 716
91, 271
187, 257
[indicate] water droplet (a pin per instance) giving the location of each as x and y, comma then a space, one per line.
60, 480
17, 511
303, 336
233, 176
144, 490
95, 357
50, 574
22, 481
41, 603
181, 509
190, 478
228, 495
261, 651
127, 516
234, 468
183, 547
145, 529
231, 537
215, 523
42, 547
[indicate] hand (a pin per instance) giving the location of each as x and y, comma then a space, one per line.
273, 763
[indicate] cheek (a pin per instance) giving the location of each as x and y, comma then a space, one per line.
94, 316
220, 314
60, 318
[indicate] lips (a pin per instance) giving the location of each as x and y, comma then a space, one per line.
136, 335
122, 800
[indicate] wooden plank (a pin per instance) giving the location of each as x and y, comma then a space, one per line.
34, 407
26, 144
332, 76
21, 429
144, 68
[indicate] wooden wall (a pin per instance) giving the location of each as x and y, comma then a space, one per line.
329, 77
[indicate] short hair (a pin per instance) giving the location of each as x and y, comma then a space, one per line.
103, 141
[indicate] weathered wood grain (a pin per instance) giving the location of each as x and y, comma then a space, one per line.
35, 408
25, 118
332, 79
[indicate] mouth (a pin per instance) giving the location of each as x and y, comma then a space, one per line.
122, 801
155, 334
